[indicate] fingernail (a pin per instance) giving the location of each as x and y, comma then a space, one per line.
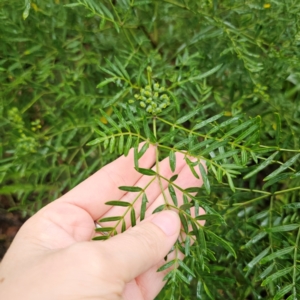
167, 221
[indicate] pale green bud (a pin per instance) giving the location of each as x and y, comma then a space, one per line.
142, 104
156, 87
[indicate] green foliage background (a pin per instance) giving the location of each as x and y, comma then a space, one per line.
66, 70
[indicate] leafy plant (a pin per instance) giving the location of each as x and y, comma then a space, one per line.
217, 81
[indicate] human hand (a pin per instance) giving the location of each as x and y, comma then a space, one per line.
53, 257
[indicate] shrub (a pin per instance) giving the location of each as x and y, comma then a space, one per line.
76, 78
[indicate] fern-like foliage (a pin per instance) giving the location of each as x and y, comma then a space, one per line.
230, 146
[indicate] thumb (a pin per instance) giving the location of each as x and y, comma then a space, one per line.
138, 249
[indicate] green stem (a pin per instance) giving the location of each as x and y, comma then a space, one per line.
157, 163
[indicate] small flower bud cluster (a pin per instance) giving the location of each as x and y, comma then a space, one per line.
15, 117
35, 125
26, 144
152, 99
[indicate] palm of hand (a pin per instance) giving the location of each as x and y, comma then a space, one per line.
61, 236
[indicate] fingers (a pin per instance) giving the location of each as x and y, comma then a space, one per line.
142, 247
101, 187
152, 191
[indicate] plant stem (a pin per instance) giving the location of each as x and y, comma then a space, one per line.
157, 163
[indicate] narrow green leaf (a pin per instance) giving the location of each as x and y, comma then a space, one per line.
135, 157
120, 118
204, 178
280, 177
128, 145
170, 275
185, 267
244, 156
101, 238
96, 141
112, 144
172, 160
167, 265
278, 128
121, 144
214, 146
206, 74
277, 275
123, 70
210, 120
130, 188
207, 291
224, 124
200, 145
191, 166
184, 222
258, 216
143, 207
192, 190
132, 217
72, 5
188, 116
159, 208
266, 272
185, 198
256, 238
174, 177
133, 120
123, 226
230, 182
113, 66
246, 133
277, 254
27, 9
257, 258
104, 229
173, 194
187, 244
261, 166
105, 82
283, 292
168, 136
201, 239
286, 165
106, 143
146, 128
182, 143
110, 120
211, 218
182, 277
295, 205
239, 128
225, 155
147, 172
143, 150
282, 228
110, 219
118, 203
222, 242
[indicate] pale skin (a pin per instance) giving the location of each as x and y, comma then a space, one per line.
53, 257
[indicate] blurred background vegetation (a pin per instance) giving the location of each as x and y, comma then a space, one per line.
54, 54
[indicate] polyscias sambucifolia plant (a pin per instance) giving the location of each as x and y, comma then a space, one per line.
225, 75
226, 145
